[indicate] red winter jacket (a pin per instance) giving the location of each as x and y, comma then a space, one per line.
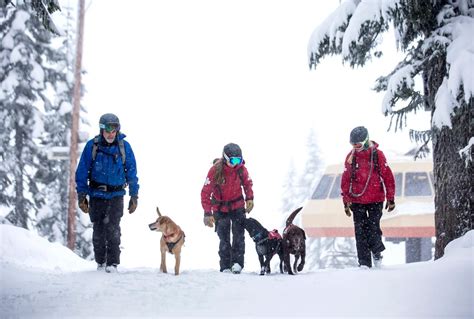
227, 196
374, 192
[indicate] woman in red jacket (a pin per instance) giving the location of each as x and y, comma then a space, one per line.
366, 182
224, 204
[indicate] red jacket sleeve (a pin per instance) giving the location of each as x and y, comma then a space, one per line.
387, 176
345, 181
248, 184
207, 190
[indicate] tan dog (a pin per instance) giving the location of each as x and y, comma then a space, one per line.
172, 240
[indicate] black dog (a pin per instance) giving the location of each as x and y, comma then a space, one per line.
267, 243
294, 242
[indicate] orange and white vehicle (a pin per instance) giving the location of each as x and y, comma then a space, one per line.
323, 215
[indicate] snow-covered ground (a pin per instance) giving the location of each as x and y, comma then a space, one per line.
40, 279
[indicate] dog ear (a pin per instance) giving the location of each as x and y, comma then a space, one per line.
158, 211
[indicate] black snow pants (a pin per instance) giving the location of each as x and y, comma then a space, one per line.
231, 253
105, 214
367, 231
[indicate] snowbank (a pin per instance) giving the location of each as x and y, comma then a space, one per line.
24, 249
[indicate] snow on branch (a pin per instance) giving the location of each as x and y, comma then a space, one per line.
351, 30
456, 34
466, 152
327, 37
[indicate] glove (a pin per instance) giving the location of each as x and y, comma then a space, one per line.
132, 204
390, 205
208, 220
347, 209
248, 205
82, 202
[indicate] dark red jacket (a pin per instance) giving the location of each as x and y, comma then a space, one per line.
227, 196
374, 192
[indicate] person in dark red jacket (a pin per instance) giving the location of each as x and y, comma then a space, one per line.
366, 182
224, 204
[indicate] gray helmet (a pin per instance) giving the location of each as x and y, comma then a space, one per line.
109, 122
232, 150
359, 135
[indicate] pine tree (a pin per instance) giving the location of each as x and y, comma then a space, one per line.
435, 35
52, 218
313, 167
36, 92
298, 188
23, 82
42, 8
289, 187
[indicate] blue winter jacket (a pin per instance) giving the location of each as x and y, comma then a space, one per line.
107, 169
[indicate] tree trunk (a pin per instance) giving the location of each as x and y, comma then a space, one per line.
454, 182
19, 217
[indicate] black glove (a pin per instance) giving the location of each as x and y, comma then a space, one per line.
82, 202
132, 204
390, 205
347, 209
208, 220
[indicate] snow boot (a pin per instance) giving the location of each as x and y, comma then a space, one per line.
236, 268
101, 267
111, 268
378, 260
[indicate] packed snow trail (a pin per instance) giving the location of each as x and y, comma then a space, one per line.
44, 280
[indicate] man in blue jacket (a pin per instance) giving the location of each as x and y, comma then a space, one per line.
106, 167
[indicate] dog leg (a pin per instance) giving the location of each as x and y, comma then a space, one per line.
296, 261
178, 262
287, 265
280, 255
303, 257
262, 265
267, 264
163, 258
286, 259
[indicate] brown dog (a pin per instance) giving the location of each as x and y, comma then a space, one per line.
294, 242
172, 240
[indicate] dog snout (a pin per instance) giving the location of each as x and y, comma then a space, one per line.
152, 226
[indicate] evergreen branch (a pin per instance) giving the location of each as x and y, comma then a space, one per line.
423, 137
416, 102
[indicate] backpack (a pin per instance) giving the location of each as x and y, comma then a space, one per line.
374, 158
96, 146
214, 201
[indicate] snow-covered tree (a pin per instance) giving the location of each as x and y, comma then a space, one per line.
42, 9
52, 219
36, 79
299, 187
312, 169
436, 37
23, 82
289, 190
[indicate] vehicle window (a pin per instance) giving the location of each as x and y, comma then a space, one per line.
417, 184
322, 190
336, 188
398, 184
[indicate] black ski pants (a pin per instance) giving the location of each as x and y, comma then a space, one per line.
368, 234
231, 253
105, 214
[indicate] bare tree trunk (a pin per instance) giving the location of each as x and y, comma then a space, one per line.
454, 179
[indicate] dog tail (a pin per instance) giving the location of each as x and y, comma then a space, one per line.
290, 218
